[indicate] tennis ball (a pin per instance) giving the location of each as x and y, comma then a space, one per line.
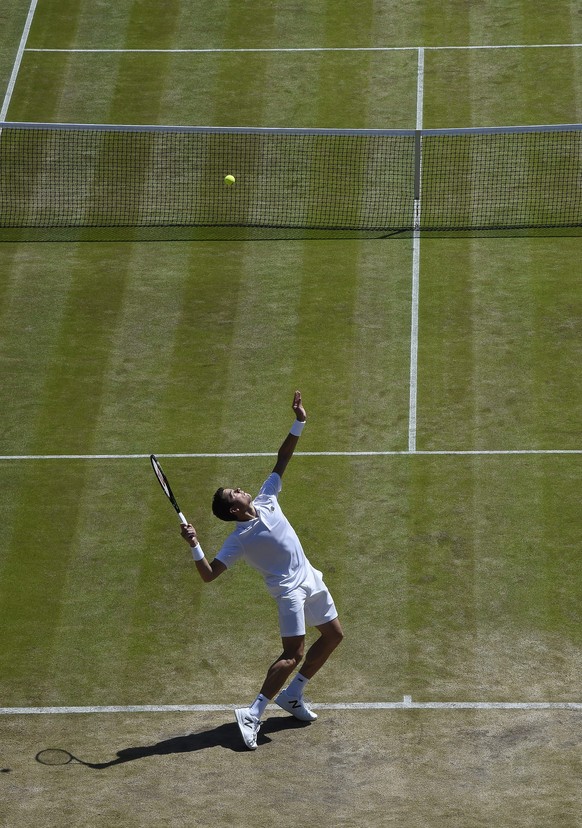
229, 179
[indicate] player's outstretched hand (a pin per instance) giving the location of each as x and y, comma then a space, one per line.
298, 408
189, 534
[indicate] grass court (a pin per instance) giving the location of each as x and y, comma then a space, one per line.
448, 529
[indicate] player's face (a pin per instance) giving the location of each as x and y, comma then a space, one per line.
238, 500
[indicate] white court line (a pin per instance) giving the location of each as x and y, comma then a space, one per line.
234, 454
406, 704
18, 61
324, 49
413, 389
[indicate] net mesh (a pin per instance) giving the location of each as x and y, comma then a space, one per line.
502, 180
57, 177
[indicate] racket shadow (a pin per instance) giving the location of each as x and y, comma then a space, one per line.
225, 736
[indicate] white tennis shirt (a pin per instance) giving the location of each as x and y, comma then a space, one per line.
268, 543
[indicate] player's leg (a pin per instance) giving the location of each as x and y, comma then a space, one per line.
292, 626
291, 699
281, 669
331, 635
249, 718
320, 612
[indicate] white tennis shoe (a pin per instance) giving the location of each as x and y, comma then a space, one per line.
295, 706
249, 726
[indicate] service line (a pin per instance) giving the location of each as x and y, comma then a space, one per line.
321, 49
234, 454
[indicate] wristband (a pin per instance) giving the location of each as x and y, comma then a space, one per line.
297, 428
197, 552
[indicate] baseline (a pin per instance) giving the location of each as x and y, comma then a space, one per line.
406, 704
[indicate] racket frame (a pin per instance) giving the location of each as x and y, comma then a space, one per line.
163, 481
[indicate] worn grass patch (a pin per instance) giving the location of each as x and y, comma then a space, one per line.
451, 768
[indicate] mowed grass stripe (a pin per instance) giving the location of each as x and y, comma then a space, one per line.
35, 288
139, 391
71, 398
34, 573
325, 336
260, 366
53, 21
147, 20
203, 349
445, 406
439, 566
381, 344
96, 646
502, 361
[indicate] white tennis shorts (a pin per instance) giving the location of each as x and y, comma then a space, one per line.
309, 604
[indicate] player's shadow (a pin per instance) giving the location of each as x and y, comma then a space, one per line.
226, 736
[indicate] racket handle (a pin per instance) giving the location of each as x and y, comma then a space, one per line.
182, 518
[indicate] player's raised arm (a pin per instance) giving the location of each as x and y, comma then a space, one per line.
288, 446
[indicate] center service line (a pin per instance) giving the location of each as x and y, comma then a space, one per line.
416, 257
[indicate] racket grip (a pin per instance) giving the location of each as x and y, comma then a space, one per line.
182, 518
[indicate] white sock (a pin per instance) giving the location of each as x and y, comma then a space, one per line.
257, 708
297, 686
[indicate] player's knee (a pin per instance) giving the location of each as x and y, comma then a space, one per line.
294, 657
335, 636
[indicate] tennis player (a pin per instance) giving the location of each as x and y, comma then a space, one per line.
265, 539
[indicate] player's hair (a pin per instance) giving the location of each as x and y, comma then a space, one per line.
221, 506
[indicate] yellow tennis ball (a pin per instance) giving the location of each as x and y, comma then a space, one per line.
229, 179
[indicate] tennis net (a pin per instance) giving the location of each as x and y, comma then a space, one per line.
168, 182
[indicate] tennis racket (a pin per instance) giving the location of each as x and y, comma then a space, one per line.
163, 481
